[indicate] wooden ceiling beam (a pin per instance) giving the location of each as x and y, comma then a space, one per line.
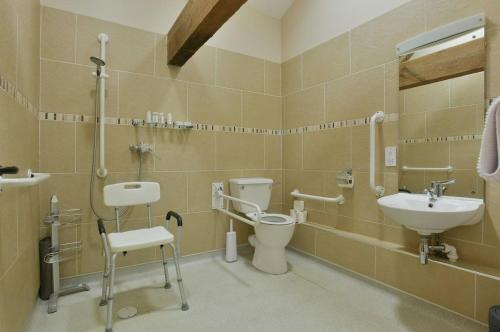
197, 23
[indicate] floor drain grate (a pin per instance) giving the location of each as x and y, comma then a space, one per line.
127, 312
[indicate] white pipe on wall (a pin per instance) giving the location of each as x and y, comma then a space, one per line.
102, 171
378, 117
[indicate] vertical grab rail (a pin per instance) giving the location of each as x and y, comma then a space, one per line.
376, 118
102, 171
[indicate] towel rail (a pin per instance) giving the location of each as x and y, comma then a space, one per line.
448, 169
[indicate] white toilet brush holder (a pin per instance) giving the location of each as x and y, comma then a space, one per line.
231, 248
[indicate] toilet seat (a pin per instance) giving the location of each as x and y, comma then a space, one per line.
272, 218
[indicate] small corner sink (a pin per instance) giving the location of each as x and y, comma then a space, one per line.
413, 212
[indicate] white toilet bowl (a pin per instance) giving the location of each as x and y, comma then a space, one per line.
271, 237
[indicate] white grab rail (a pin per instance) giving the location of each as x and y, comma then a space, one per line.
220, 195
102, 171
339, 199
448, 169
378, 117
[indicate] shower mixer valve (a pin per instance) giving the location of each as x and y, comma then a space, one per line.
143, 148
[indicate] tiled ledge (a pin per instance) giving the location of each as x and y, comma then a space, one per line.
463, 266
12, 91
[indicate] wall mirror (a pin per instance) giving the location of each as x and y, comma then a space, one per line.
442, 107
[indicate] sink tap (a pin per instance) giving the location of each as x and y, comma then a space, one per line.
437, 190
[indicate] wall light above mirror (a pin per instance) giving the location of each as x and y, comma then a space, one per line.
442, 106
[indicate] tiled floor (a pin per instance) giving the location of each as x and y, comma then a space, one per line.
312, 297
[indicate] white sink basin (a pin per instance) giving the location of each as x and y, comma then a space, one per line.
413, 212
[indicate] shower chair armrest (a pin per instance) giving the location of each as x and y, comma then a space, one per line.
178, 232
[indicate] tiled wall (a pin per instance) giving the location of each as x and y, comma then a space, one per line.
443, 121
351, 77
19, 90
238, 98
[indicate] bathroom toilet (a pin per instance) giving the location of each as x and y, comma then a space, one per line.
274, 230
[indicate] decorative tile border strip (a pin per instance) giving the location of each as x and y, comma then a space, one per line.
12, 91
393, 117
442, 139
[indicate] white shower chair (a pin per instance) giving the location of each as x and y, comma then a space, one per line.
131, 194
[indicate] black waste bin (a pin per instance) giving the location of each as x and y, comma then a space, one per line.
45, 269
494, 318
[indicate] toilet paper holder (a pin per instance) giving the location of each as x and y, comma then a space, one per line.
345, 179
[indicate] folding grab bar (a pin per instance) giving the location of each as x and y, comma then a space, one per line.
339, 199
220, 196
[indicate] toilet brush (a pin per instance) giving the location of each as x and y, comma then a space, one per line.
231, 249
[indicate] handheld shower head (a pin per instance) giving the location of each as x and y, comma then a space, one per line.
99, 63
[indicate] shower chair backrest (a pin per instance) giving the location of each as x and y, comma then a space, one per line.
130, 194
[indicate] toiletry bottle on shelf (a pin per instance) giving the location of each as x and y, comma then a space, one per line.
170, 120
155, 117
162, 118
149, 119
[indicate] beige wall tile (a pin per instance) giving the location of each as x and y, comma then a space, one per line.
70, 89
488, 295
240, 71
28, 66
425, 154
351, 254
198, 232
8, 36
185, 150
58, 34
200, 188
338, 144
355, 96
464, 154
492, 75
492, 215
119, 54
261, 111
199, 68
412, 125
431, 97
327, 61
84, 145
140, 93
304, 108
440, 12
291, 75
174, 192
57, 147
467, 90
214, 105
119, 158
434, 282
303, 238
373, 43
392, 93
274, 152
364, 201
493, 39
240, 151
292, 151
273, 78
451, 122
8, 227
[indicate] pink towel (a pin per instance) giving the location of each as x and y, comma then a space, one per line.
488, 165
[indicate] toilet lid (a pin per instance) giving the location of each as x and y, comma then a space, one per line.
272, 218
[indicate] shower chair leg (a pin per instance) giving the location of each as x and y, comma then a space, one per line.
185, 305
165, 267
109, 316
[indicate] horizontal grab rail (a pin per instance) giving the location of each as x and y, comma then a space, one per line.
428, 169
339, 199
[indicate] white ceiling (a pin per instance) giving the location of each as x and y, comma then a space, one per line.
274, 8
